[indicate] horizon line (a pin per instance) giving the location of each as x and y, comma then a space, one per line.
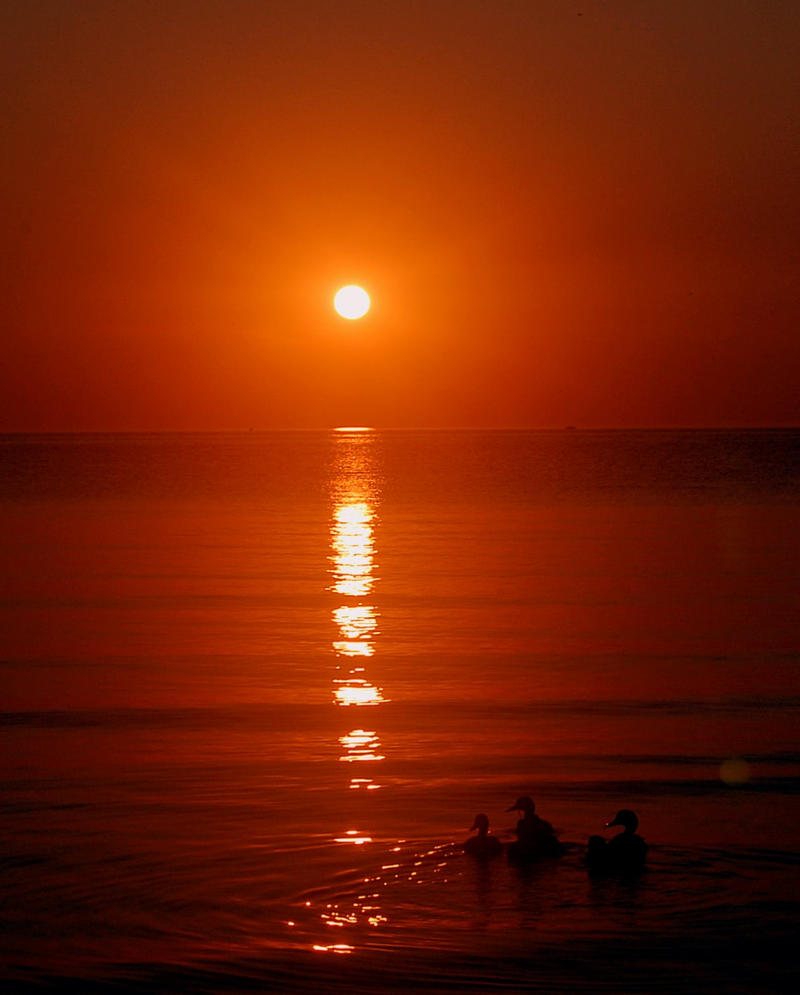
405, 428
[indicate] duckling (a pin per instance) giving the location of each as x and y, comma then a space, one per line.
626, 852
484, 845
597, 854
535, 836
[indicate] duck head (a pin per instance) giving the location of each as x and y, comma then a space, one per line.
481, 823
523, 804
625, 818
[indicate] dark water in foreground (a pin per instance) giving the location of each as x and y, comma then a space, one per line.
255, 688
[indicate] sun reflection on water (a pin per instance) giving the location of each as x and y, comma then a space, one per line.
356, 691
368, 902
353, 549
353, 577
351, 647
360, 744
356, 621
353, 572
355, 837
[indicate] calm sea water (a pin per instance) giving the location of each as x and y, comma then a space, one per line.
255, 688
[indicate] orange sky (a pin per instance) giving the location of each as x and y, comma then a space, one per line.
566, 213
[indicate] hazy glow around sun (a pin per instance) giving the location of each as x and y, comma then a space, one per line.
351, 302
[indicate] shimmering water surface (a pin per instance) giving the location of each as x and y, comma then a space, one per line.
255, 688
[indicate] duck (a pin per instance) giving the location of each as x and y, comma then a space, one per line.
625, 852
484, 845
535, 836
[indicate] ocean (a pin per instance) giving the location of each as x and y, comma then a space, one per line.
255, 688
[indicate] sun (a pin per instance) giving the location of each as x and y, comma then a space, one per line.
351, 302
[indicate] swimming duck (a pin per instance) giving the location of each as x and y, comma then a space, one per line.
484, 845
535, 836
625, 852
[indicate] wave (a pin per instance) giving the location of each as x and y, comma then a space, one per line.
285, 714
697, 921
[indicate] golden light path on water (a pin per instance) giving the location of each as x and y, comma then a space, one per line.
353, 578
352, 570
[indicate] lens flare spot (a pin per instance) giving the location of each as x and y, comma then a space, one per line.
735, 771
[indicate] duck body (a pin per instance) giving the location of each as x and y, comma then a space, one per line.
535, 837
525, 852
628, 850
484, 845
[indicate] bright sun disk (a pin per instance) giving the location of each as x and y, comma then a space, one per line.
351, 302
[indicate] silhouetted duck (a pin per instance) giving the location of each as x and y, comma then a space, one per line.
626, 852
535, 836
484, 845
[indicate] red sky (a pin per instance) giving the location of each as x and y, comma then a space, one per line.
566, 213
